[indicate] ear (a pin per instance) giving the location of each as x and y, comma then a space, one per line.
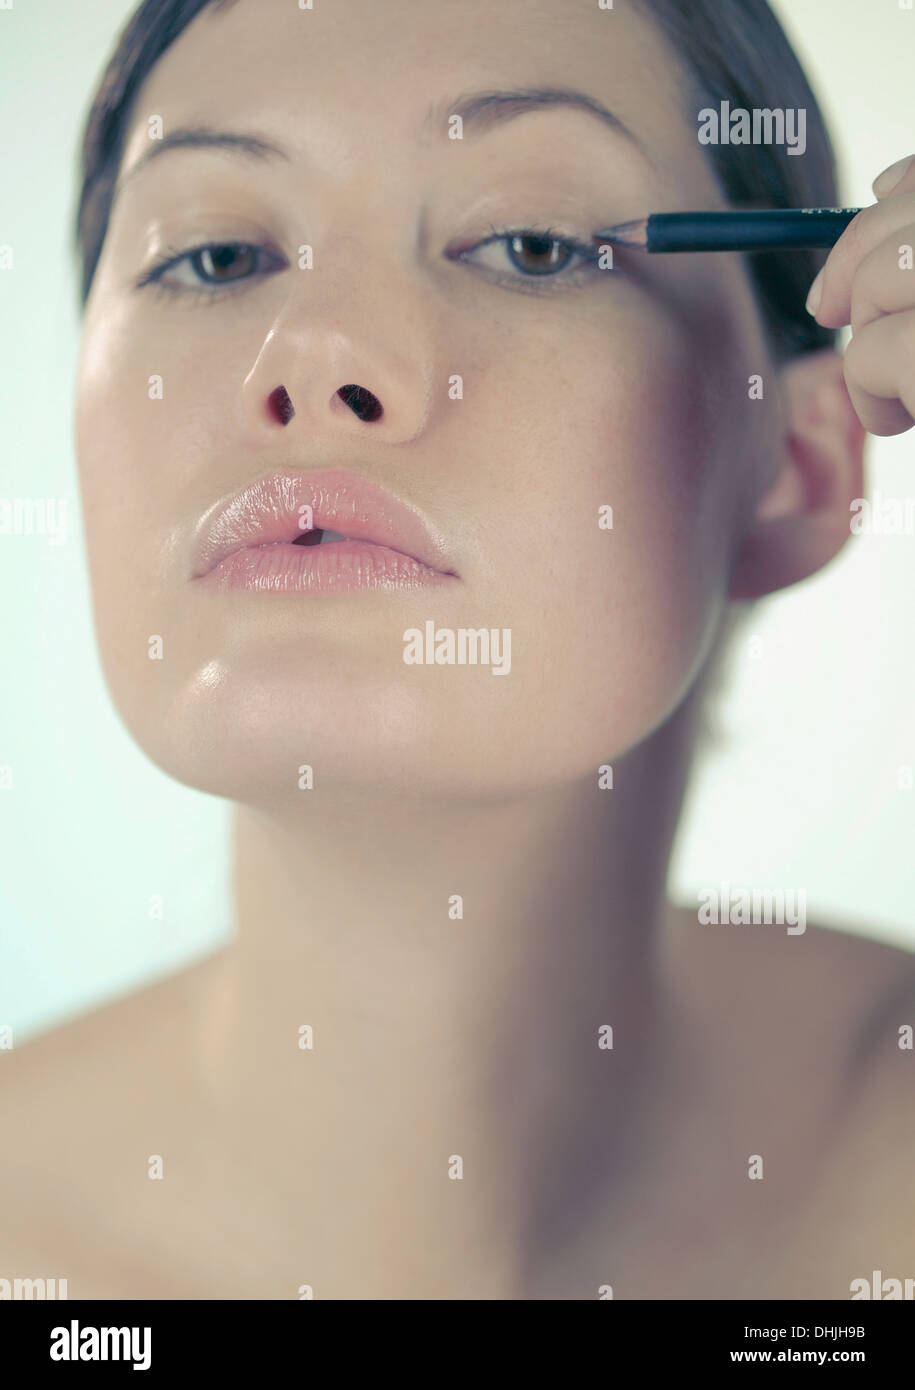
804, 518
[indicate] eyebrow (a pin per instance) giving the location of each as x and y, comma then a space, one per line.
480, 112
202, 137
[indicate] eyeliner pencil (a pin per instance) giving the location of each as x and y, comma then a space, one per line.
778, 229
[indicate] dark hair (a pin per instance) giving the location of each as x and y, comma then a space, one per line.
731, 50
736, 51
151, 29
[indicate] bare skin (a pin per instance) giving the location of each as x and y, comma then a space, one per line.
438, 1037
784, 1048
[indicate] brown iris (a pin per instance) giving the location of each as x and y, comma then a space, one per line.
549, 254
212, 262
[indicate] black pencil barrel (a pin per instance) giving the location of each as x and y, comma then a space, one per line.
765, 230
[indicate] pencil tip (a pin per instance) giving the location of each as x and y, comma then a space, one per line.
626, 233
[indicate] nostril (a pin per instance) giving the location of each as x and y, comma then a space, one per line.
280, 405
365, 405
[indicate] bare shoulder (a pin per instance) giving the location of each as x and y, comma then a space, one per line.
847, 995
87, 1102
73, 1059
823, 1022
861, 1220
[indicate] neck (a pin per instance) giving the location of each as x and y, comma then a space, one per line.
452, 965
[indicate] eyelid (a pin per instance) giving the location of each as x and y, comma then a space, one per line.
534, 229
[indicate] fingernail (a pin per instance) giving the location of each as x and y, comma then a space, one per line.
887, 181
816, 293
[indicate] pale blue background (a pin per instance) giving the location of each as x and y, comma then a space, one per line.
804, 793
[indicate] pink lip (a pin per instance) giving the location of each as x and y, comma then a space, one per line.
249, 542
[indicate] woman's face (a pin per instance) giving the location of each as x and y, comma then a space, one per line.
590, 388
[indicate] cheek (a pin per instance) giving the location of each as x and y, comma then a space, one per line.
154, 418
147, 428
623, 558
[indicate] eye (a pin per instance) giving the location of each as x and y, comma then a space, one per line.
207, 269
536, 254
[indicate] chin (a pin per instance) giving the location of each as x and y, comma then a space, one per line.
247, 736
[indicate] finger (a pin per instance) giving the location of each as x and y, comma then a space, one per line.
862, 235
898, 178
884, 282
879, 368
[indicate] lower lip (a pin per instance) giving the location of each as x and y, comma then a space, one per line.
338, 567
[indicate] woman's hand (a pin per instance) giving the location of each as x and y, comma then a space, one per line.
869, 282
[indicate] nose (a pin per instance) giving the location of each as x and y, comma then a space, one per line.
350, 352
363, 403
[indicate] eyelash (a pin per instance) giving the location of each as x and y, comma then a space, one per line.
152, 279
530, 284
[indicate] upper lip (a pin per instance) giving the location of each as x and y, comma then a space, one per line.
268, 510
